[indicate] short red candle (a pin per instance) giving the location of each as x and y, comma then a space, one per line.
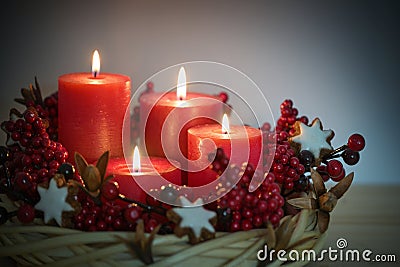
91, 113
242, 138
157, 106
149, 168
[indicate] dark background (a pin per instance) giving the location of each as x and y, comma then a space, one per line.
338, 60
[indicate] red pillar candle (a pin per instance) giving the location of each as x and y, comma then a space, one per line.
241, 138
91, 113
176, 112
150, 168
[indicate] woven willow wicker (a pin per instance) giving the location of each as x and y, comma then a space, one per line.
54, 246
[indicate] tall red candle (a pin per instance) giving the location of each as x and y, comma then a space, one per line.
156, 107
91, 113
241, 138
166, 117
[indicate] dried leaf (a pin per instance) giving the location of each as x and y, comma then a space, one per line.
341, 188
271, 237
323, 221
27, 94
327, 201
318, 182
301, 225
37, 92
141, 246
91, 177
303, 203
80, 162
284, 234
102, 164
20, 101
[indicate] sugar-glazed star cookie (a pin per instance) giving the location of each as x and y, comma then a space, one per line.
312, 138
53, 202
193, 220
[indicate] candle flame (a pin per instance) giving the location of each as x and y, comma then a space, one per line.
136, 160
181, 86
95, 63
225, 124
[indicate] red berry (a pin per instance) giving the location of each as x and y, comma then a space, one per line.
23, 181
339, 177
257, 220
54, 164
356, 142
90, 221
247, 225
236, 216
291, 120
132, 214
247, 213
150, 86
266, 127
287, 103
151, 225
301, 169
235, 226
16, 136
350, 157
26, 160
272, 204
101, 225
274, 219
29, 116
118, 223
270, 178
334, 168
294, 162
26, 213
79, 218
42, 173
262, 206
223, 96
304, 120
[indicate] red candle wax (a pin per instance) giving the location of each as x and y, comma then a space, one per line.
159, 110
91, 113
240, 138
150, 168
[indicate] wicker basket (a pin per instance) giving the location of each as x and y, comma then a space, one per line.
54, 246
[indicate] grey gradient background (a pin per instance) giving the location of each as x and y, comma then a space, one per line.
338, 60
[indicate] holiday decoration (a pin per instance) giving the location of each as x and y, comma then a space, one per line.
53, 202
99, 221
193, 220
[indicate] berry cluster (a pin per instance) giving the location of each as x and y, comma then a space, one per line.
289, 116
241, 209
117, 213
50, 105
32, 155
333, 168
286, 167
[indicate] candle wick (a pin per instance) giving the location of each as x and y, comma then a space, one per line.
180, 98
95, 74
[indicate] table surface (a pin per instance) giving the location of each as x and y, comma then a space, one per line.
367, 217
